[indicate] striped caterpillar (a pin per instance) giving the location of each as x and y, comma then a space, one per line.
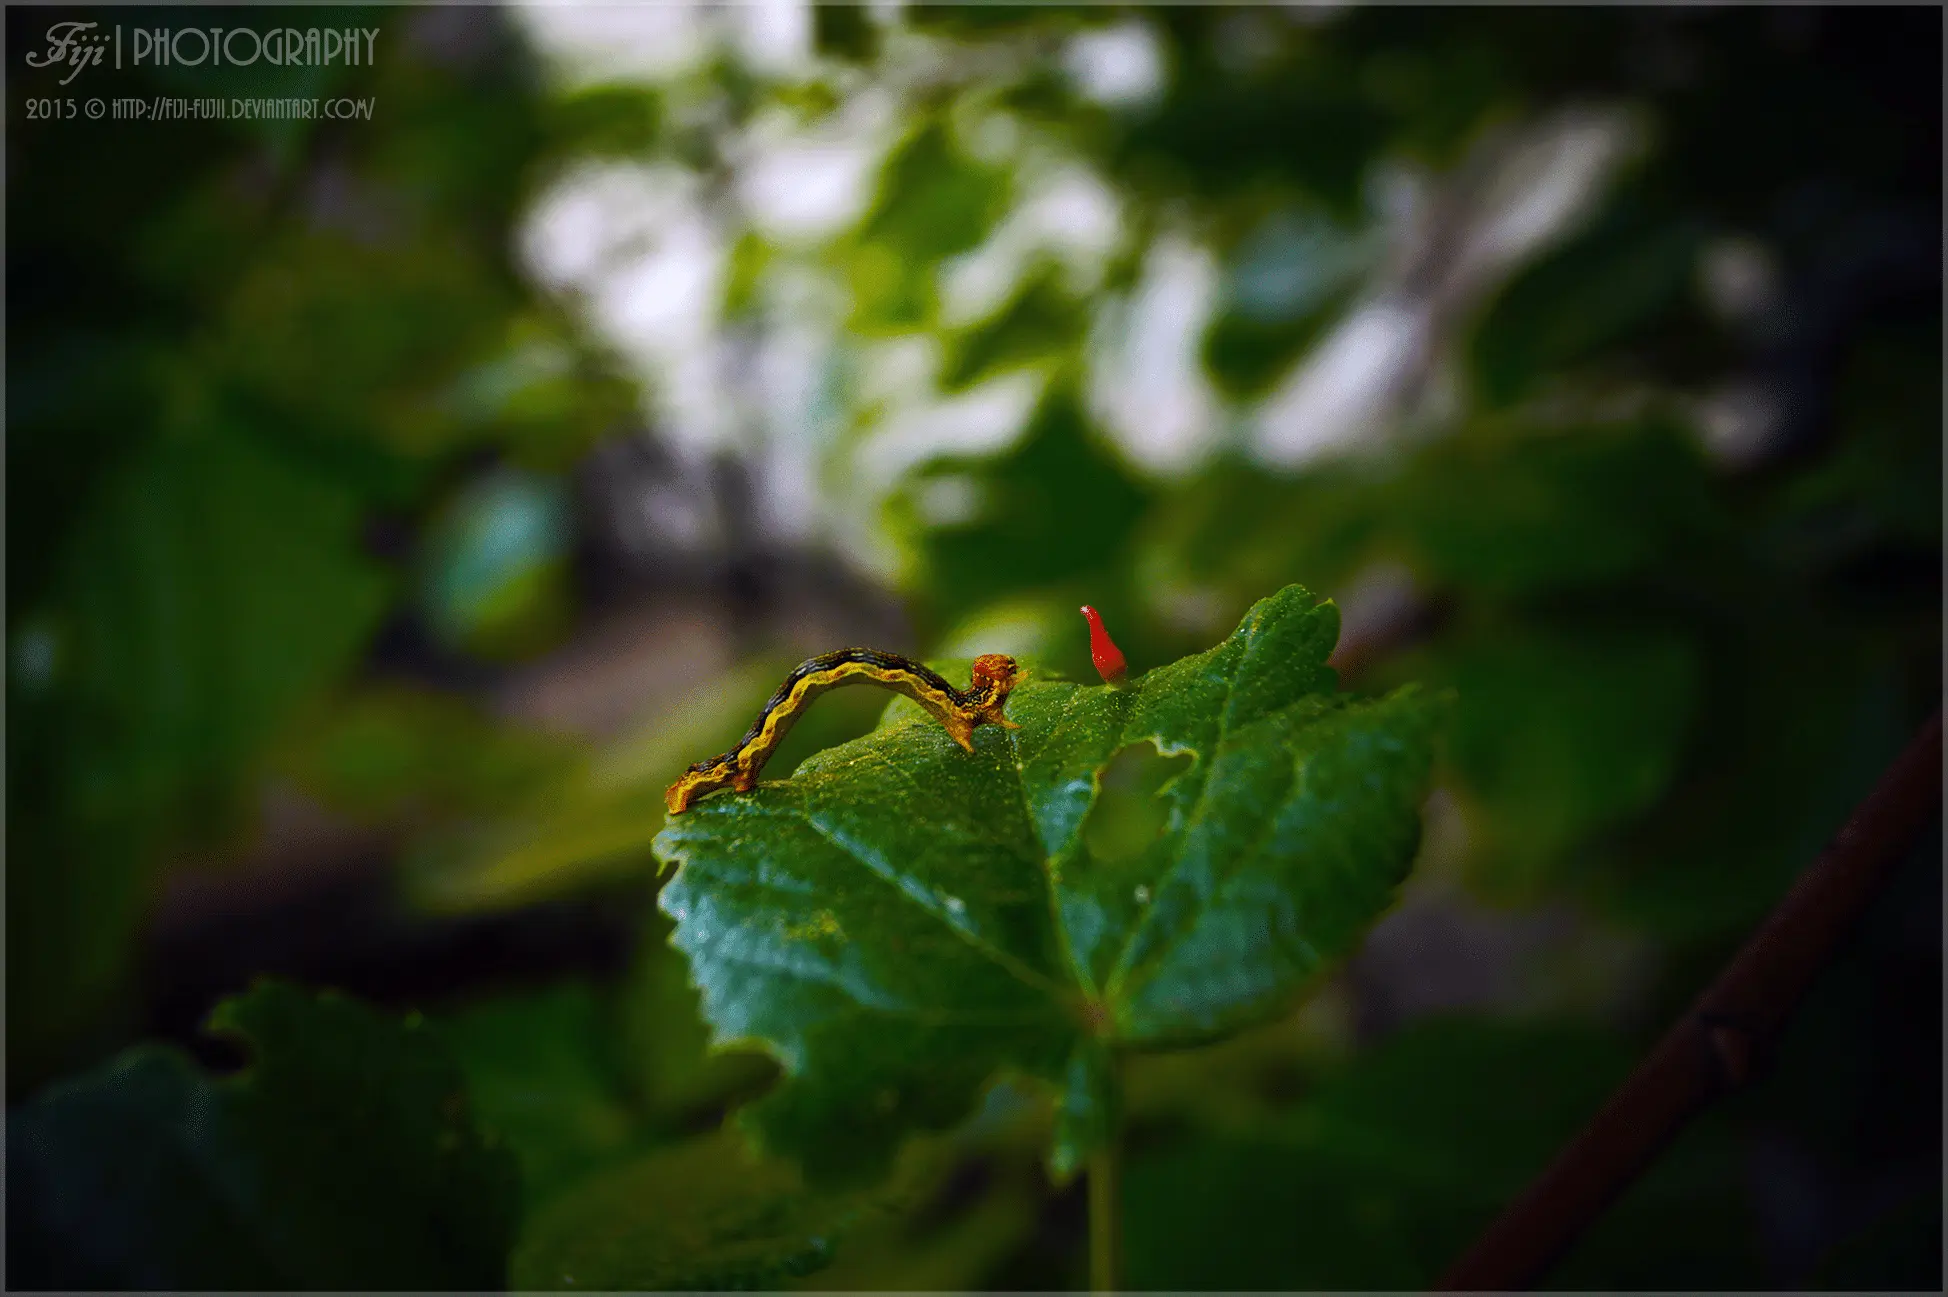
960, 710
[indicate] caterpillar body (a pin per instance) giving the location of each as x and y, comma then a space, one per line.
961, 711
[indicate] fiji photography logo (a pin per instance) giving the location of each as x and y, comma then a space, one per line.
78, 46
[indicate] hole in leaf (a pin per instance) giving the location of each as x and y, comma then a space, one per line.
1129, 813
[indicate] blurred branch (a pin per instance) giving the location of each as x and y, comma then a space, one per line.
1713, 1047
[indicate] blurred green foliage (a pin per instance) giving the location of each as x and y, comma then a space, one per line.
194, 470
345, 1156
295, 451
1377, 1179
700, 1216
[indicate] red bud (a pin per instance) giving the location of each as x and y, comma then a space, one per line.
1102, 650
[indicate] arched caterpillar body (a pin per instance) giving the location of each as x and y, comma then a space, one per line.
960, 710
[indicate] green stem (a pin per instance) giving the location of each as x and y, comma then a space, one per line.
1106, 1219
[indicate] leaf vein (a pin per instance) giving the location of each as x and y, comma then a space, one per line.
1000, 958
1120, 970
890, 1009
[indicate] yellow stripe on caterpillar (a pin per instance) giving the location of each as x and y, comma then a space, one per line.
961, 711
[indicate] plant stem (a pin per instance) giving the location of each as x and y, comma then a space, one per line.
1106, 1219
1715, 1046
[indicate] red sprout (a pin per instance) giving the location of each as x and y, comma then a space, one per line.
1102, 649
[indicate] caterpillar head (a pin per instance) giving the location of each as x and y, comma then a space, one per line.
995, 675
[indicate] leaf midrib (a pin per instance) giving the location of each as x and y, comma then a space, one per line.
1085, 985
1000, 958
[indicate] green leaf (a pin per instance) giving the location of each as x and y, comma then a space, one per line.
845, 31
666, 1044
344, 1157
607, 120
210, 585
385, 752
1880, 484
1630, 272
1041, 323
933, 202
1397, 1160
1512, 511
1236, 529
1290, 278
577, 1079
213, 585
1058, 508
1560, 734
350, 340
543, 1078
1392, 1163
700, 1216
901, 921
1217, 133
1247, 355
1800, 720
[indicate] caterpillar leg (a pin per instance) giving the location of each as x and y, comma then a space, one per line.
990, 713
960, 729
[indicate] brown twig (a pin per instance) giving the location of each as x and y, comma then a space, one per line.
1712, 1047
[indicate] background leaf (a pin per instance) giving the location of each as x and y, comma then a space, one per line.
698, 1216
543, 1073
1561, 735
214, 584
1394, 1162
343, 1157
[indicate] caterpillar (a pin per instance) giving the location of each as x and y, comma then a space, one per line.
960, 710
